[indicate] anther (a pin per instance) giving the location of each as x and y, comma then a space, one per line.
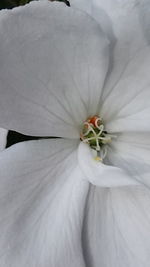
94, 134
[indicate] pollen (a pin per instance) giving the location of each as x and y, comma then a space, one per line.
98, 158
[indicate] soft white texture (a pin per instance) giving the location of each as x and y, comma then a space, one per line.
121, 22
43, 196
3, 138
131, 151
144, 11
117, 227
52, 78
61, 57
128, 101
100, 174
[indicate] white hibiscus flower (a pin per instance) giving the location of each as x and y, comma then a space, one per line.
71, 202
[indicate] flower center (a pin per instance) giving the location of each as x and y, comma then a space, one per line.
94, 134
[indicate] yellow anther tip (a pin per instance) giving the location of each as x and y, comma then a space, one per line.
98, 159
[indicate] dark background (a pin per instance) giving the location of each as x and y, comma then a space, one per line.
14, 3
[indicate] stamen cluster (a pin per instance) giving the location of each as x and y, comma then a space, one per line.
94, 134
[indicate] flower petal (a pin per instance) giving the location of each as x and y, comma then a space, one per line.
131, 152
121, 21
3, 138
54, 63
127, 107
100, 174
117, 227
42, 204
144, 11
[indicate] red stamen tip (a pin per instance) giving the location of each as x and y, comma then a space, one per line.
93, 120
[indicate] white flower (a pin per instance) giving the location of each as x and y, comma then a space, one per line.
59, 206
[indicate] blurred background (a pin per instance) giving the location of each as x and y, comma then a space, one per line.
14, 137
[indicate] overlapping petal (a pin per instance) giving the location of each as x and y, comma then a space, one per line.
52, 80
131, 152
127, 106
54, 62
100, 174
41, 205
117, 227
121, 21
